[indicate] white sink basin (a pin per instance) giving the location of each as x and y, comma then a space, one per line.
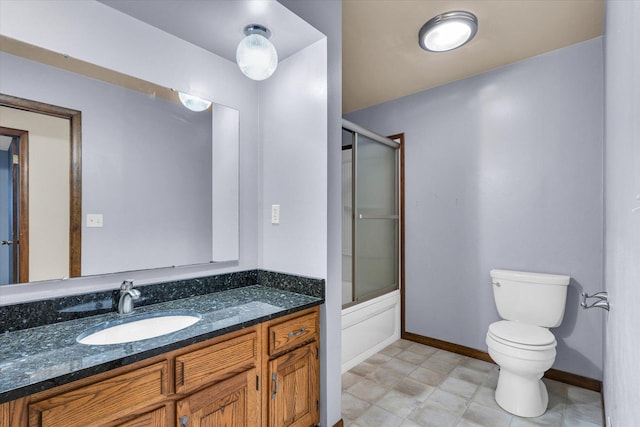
138, 328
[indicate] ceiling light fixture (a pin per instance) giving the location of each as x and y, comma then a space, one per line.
448, 31
256, 56
192, 102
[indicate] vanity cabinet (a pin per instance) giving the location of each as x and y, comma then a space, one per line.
292, 368
263, 375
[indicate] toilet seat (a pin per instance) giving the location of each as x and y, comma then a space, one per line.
521, 335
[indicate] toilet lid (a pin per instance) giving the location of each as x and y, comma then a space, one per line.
522, 335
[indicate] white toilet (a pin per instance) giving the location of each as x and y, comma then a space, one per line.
522, 344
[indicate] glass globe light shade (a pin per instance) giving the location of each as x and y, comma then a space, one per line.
257, 57
192, 102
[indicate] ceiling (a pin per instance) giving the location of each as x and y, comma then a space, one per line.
381, 59
217, 26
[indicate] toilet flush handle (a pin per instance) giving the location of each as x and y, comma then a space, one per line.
496, 284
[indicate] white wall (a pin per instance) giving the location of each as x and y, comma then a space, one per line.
622, 226
293, 109
503, 170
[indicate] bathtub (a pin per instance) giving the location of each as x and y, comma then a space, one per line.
369, 327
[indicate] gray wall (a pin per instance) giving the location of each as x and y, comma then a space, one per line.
503, 170
326, 16
622, 226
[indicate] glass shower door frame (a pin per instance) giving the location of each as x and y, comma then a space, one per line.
360, 218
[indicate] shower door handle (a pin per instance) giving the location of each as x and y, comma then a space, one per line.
376, 216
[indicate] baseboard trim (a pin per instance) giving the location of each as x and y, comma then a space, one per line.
552, 374
340, 423
574, 379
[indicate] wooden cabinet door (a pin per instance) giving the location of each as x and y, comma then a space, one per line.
294, 388
5, 412
234, 402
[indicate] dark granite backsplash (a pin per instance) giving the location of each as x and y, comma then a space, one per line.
287, 282
37, 313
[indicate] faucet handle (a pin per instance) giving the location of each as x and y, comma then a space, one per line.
127, 285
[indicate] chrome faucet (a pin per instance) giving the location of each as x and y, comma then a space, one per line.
127, 295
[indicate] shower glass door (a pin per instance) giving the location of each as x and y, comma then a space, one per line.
376, 218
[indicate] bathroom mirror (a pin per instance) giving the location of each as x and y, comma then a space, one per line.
159, 182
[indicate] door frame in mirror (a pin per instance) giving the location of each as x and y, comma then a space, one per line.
75, 170
20, 208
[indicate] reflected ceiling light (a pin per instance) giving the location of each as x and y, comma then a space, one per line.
192, 102
256, 56
448, 31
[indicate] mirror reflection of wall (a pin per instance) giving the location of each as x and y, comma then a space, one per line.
147, 170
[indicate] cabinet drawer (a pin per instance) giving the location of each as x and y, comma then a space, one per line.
103, 402
216, 362
293, 332
157, 418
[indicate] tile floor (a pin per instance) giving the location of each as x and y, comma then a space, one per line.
409, 384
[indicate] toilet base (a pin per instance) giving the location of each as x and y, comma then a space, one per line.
524, 396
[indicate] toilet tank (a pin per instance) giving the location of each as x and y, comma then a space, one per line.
533, 298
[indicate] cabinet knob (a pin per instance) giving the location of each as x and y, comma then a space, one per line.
184, 420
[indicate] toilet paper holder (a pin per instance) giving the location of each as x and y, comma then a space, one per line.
601, 297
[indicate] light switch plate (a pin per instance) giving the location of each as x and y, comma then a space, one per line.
275, 214
94, 220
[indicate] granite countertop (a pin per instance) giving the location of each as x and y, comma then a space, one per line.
43, 357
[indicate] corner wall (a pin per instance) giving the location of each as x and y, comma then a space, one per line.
326, 16
622, 226
503, 170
